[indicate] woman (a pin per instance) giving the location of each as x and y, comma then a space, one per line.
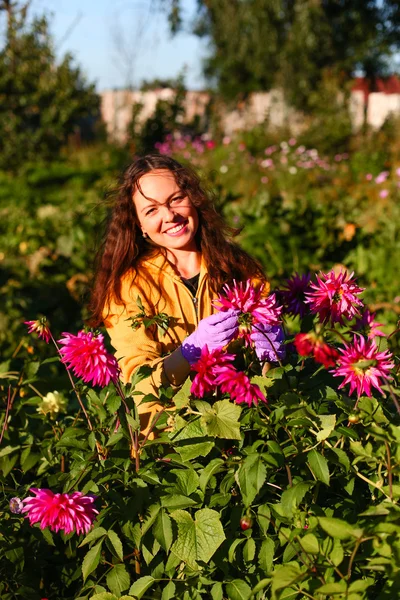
166, 255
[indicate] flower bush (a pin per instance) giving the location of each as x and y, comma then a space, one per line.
275, 478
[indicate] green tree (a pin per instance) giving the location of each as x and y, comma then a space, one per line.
256, 44
41, 102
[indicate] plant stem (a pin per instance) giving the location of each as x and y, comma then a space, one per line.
6, 415
389, 469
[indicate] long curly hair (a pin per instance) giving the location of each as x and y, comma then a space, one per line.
123, 247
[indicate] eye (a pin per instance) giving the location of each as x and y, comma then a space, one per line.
178, 198
150, 211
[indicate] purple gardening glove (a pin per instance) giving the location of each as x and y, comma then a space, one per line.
216, 331
268, 341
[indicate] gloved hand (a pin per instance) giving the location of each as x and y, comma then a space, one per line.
216, 331
268, 341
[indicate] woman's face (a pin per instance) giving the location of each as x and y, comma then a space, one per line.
165, 213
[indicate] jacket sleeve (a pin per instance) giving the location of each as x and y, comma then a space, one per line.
135, 347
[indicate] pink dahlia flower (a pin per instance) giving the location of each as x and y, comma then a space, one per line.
86, 355
41, 327
238, 386
209, 365
253, 305
293, 294
367, 325
67, 512
335, 297
363, 366
310, 344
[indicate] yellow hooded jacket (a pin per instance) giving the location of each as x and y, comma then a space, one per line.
161, 290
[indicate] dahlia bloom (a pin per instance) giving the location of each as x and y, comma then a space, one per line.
238, 386
362, 366
253, 305
41, 327
367, 325
310, 344
293, 294
86, 355
334, 297
209, 365
67, 512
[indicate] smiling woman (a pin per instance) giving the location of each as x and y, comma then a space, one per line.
166, 252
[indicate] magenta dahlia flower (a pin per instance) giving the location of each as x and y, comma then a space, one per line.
362, 366
209, 365
368, 326
252, 304
67, 512
334, 297
312, 344
238, 386
86, 355
41, 327
293, 294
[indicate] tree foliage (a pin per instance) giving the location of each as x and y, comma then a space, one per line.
42, 102
256, 44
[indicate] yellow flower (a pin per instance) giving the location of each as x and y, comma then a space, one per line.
52, 403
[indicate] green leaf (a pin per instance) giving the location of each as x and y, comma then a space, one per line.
198, 538
337, 528
191, 441
336, 555
217, 591
91, 560
118, 579
266, 555
223, 420
283, 576
187, 481
116, 544
162, 530
182, 397
141, 586
342, 457
319, 466
95, 534
150, 517
328, 423
332, 588
293, 496
233, 547
213, 467
238, 590
169, 591
309, 543
104, 596
141, 373
249, 550
251, 477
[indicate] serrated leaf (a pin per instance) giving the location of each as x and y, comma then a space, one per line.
182, 397
118, 579
187, 481
91, 560
332, 588
251, 477
191, 441
162, 530
104, 596
283, 576
150, 517
319, 466
309, 543
141, 586
223, 420
169, 591
213, 467
198, 538
95, 534
336, 555
293, 496
266, 555
238, 590
337, 528
116, 544
342, 457
249, 550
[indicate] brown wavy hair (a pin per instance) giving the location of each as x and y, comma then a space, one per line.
123, 246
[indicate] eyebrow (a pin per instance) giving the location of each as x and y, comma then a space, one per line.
152, 201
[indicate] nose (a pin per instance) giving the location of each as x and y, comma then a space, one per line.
169, 214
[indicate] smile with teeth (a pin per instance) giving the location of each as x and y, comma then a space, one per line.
177, 228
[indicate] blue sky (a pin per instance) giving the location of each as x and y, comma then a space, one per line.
119, 42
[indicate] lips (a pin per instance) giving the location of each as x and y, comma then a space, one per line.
177, 229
